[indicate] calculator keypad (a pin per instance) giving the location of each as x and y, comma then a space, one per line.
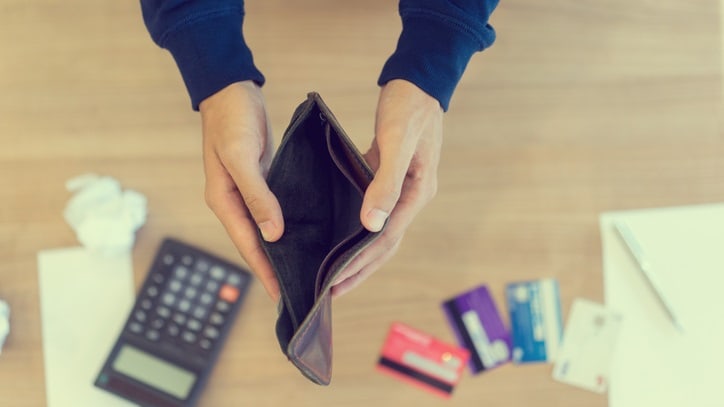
189, 305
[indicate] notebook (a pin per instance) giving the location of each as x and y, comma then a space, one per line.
655, 364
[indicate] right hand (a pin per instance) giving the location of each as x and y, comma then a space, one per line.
237, 152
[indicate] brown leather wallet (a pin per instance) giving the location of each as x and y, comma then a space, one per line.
319, 178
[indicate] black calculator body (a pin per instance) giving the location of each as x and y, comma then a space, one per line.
176, 328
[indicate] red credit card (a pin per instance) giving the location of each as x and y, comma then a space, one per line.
422, 360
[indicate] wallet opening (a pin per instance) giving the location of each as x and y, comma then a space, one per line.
321, 207
319, 178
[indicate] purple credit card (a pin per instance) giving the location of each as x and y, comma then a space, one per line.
479, 328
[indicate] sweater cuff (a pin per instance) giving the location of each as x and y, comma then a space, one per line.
433, 55
212, 54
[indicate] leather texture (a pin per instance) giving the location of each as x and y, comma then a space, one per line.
319, 178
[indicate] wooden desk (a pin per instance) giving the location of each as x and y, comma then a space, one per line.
580, 107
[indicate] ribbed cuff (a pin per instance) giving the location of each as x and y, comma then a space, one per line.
212, 54
432, 55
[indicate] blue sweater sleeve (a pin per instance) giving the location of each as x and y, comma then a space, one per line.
438, 39
205, 38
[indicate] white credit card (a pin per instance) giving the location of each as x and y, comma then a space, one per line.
584, 359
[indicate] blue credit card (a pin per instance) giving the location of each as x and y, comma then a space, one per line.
535, 319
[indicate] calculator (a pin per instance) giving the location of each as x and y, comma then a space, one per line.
176, 328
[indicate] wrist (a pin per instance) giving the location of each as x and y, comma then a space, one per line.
229, 95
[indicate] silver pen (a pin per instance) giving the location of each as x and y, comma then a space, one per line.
644, 266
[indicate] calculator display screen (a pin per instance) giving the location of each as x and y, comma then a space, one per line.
154, 372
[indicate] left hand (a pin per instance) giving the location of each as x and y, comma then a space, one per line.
404, 155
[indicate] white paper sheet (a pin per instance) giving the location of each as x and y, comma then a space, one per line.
84, 300
655, 364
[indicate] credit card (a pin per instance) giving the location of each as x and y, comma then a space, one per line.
478, 327
422, 360
584, 359
535, 320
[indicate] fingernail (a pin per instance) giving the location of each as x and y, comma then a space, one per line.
376, 219
267, 229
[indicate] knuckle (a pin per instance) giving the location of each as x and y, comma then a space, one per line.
254, 203
211, 199
391, 189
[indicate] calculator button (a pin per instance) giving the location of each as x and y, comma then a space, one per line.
157, 323
202, 266
212, 286
200, 312
229, 293
218, 273
173, 330
158, 278
179, 318
223, 306
146, 304
196, 278
184, 305
168, 299
152, 291
233, 279
216, 318
187, 260
181, 272
135, 327
211, 332
189, 337
194, 325
205, 344
163, 312
175, 285
168, 259
191, 293
206, 298
152, 335
140, 315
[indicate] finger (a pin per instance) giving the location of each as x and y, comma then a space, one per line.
350, 283
258, 199
386, 186
228, 207
223, 198
401, 218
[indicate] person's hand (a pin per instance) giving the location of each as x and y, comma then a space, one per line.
237, 152
404, 155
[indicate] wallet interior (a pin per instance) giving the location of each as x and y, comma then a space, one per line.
319, 179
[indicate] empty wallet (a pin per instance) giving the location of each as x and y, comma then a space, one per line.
319, 178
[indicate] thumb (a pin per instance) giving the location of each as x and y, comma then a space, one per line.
260, 201
381, 196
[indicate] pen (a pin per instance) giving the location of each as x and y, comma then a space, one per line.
644, 266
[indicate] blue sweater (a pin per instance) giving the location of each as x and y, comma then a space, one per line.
205, 38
